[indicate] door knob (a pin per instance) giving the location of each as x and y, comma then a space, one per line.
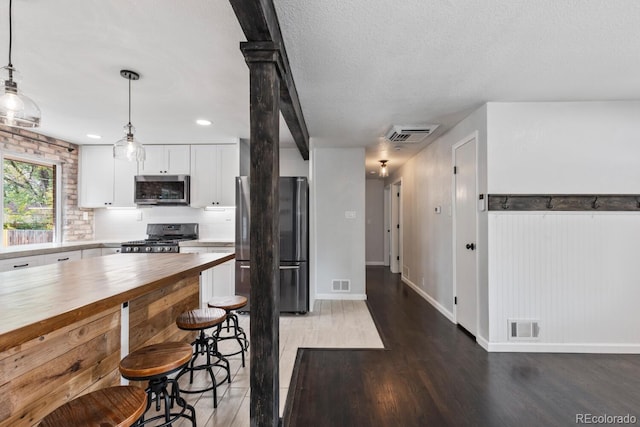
471, 246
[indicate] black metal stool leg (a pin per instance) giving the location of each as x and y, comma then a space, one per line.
235, 332
204, 345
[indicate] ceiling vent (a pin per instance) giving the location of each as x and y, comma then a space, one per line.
409, 134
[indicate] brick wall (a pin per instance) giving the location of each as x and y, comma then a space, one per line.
23, 142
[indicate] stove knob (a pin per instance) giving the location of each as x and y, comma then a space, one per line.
148, 249
162, 249
136, 249
168, 249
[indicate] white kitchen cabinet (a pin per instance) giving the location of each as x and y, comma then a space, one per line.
62, 257
213, 172
218, 281
110, 251
166, 159
21, 262
224, 279
103, 180
91, 253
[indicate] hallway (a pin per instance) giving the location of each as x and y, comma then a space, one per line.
432, 373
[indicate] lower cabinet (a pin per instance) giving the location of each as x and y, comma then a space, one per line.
218, 281
21, 262
110, 251
62, 257
91, 253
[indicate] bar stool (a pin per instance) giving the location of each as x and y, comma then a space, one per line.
154, 363
234, 331
119, 406
199, 320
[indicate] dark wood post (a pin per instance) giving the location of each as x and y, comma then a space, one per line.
263, 61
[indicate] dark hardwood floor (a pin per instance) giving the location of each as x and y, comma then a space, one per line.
433, 374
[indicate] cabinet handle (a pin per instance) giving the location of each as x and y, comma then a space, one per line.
245, 267
63, 259
289, 267
21, 265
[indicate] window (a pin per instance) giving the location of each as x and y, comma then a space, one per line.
30, 213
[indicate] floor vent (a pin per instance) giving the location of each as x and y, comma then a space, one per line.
341, 285
409, 134
524, 330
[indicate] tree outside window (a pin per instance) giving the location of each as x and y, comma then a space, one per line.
29, 202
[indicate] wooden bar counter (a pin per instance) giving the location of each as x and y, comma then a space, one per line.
64, 327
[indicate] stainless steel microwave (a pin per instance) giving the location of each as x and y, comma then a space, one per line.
162, 189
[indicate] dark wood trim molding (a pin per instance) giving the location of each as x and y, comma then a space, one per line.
259, 22
564, 202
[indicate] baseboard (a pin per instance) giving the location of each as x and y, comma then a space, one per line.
374, 263
340, 296
446, 313
530, 347
482, 342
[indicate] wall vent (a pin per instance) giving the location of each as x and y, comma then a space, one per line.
409, 134
524, 330
341, 285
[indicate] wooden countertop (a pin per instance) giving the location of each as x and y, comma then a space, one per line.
38, 300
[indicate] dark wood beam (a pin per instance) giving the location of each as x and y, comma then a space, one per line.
264, 64
259, 22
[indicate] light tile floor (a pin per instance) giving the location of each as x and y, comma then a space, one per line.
332, 324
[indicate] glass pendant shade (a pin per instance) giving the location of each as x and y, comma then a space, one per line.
128, 148
383, 169
16, 109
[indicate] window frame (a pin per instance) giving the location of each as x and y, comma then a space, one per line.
57, 191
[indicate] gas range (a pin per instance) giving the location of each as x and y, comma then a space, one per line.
162, 238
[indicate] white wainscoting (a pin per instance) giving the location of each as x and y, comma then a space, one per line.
578, 274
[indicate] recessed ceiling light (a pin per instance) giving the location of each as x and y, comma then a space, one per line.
93, 136
203, 122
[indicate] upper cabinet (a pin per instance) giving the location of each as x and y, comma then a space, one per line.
103, 180
166, 159
213, 172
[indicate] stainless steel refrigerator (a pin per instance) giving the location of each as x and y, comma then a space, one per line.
294, 243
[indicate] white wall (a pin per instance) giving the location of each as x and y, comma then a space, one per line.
292, 163
564, 147
574, 272
123, 225
427, 236
375, 231
338, 243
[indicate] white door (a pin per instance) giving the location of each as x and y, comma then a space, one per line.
396, 240
387, 226
464, 157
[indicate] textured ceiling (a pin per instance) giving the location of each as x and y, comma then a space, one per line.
360, 66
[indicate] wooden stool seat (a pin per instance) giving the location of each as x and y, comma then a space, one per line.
155, 360
201, 318
119, 406
154, 363
233, 302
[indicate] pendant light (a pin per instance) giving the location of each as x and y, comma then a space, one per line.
16, 109
129, 148
383, 169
